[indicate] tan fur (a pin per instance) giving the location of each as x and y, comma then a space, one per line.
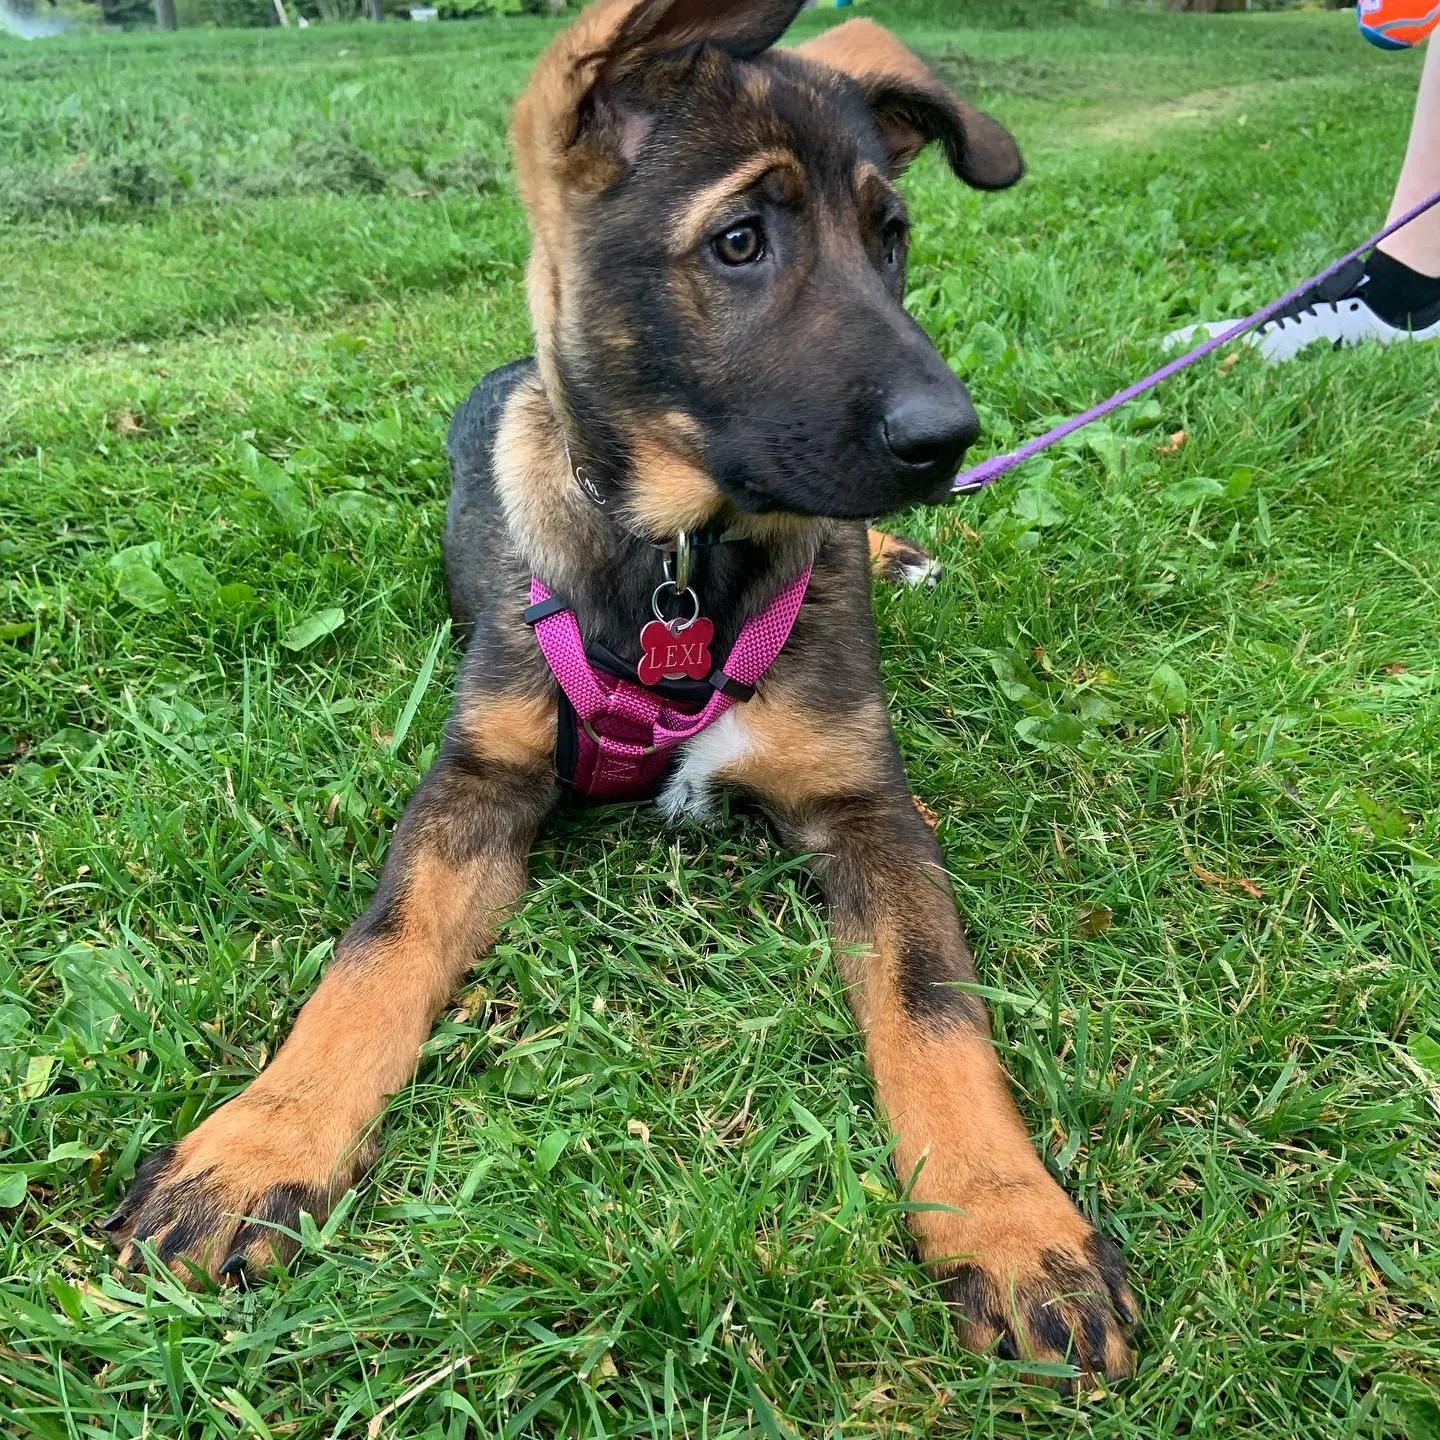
509, 729
691, 225
358, 1036
898, 560
244, 1149
868, 176
557, 175
961, 1143
883, 548
672, 492
669, 492
551, 177
871, 55
757, 87
538, 492
814, 748
866, 51
308, 1119
873, 190
555, 170
797, 757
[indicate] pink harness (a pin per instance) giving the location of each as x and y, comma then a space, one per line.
624, 732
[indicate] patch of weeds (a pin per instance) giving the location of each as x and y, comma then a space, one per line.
86, 188
321, 162
1012, 75
468, 172
1004, 14
333, 163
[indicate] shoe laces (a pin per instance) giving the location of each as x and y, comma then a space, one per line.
1343, 285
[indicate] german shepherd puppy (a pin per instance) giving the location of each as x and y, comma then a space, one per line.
719, 258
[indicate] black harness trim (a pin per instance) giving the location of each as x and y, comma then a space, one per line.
543, 610
729, 685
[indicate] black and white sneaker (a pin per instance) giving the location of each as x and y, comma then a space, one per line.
1338, 312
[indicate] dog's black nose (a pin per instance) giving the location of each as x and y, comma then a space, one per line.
931, 431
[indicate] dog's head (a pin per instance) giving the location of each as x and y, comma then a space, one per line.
719, 258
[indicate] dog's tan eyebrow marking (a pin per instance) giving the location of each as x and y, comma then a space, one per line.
690, 225
867, 173
873, 188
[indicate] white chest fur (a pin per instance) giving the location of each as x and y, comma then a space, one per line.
691, 788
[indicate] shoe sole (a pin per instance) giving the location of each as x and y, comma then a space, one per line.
1350, 322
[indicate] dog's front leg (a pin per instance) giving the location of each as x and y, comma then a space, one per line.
1025, 1272
298, 1136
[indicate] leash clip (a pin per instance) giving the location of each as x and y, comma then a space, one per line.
678, 566
684, 558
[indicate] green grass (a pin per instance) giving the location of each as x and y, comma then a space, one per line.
1178, 716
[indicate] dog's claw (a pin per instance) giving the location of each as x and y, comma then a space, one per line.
237, 1269
216, 1206
1053, 1292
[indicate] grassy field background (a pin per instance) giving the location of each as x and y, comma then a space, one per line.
1177, 714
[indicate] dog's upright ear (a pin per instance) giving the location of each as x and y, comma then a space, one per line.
585, 113
912, 107
567, 128
742, 28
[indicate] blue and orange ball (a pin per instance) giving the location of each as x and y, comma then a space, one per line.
1397, 24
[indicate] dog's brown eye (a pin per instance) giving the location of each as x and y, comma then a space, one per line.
741, 244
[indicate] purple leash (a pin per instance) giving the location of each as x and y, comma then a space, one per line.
981, 475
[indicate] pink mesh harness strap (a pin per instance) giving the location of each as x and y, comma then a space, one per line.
625, 731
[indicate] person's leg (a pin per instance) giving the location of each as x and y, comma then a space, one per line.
1418, 244
1393, 294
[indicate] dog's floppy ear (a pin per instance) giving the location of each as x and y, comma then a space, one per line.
912, 107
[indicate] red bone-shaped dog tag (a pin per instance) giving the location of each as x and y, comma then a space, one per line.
664, 653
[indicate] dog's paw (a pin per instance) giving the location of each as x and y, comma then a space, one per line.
1038, 1282
208, 1204
901, 561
